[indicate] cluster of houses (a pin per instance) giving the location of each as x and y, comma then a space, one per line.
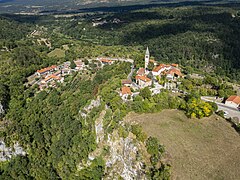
148, 78
49, 76
100, 21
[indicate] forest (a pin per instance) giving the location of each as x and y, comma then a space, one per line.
48, 125
205, 38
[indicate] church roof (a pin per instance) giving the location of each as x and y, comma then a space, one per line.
147, 51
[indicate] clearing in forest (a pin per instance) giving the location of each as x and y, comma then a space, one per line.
199, 149
59, 53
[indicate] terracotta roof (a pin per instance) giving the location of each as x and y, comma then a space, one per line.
47, 69
47, 78
126, 81
126, 90
151, 60
56, 77
53, 66
141, 71
106, 60
143, 78
174, 65
52, 77
174, 71
235, 99
156, 69
57, 73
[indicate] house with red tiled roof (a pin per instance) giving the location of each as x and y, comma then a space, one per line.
46, 70
159, 69
143, 81
125, 92
233, 101
51, 78
58, 73
173, 73
105, 61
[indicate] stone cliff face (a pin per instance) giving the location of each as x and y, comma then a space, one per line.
7, 153
126, 157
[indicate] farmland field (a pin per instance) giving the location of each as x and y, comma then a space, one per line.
199, 149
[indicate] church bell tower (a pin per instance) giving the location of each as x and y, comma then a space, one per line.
147, 56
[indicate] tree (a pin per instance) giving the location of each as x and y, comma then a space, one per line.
145, 93
72, 65
150, 66
196, 108
154, 149
137, 130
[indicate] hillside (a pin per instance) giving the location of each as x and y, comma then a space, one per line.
205, 38
61, 6
63, 100
199, 149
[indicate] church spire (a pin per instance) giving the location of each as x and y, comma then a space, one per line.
147, 52
147, 56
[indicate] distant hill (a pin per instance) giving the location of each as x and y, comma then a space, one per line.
36, 6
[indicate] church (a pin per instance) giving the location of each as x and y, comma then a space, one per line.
172, 72
147, 58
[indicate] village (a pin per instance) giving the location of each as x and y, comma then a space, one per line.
52, 75
161, 76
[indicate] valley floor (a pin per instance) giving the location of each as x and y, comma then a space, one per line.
199, 149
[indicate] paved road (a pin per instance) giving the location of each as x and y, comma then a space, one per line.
233, 112
131, 73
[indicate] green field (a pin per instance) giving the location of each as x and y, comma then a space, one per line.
57, 53
199, 149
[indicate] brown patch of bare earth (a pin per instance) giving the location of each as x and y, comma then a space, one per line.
200, 149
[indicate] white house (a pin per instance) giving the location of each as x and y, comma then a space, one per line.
79, 65
233, 101
46, 70
158, 70
173, 73
143, 81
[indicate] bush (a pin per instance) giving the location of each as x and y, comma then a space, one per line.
140, 135
145, 93
196, 108
154, 149
220, 113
